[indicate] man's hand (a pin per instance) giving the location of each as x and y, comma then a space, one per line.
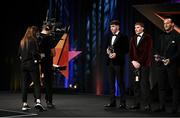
166, 61
136, 64
112, 55
53, 52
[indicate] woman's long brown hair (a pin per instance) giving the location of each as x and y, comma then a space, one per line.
31, 34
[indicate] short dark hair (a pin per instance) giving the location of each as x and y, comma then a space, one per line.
115, 22
140, 23
169, 18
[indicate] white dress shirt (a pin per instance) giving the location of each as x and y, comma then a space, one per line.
139, 37
113, 38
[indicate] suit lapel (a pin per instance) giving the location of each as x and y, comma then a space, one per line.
110, 40
117, 38
135, 40
142, 38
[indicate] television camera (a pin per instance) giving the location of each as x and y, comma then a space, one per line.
56, 28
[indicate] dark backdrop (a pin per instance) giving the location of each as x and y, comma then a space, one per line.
16, 16
89, 25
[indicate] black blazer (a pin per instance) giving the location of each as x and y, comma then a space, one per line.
121, 47
29, 55
172, 49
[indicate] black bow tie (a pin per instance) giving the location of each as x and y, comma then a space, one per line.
139, 36
114, 35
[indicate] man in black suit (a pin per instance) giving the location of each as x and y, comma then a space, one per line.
167, 56
47, 44
116, 49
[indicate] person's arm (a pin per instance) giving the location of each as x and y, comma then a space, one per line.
35, 50
176, 56
149, 51
146, 54
133, 61
131, 55
53, 52
122, 48
156, 52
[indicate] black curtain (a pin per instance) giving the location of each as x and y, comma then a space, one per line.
16, 16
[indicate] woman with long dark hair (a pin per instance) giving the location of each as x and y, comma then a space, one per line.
29, 56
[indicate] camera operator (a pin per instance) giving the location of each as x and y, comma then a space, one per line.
47, 44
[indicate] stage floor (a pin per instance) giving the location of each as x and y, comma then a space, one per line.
72, 105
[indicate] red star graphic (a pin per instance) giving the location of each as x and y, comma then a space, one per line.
63, 55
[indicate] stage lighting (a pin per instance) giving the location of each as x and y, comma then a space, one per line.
70, 85
75, 86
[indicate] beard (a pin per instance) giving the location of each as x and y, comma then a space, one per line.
167, 28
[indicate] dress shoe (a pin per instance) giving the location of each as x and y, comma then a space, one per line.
50, 105
147, 108
135, 107
26, 107
39, 107
122, 106
110, 105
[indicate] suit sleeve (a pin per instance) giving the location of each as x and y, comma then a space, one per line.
176, 56
131, 50
106, 44
124, 47
35, 50
157, 46
146, 54
149, 51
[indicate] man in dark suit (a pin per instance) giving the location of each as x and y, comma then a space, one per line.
116, 49
46, 44
140, 57
167, 56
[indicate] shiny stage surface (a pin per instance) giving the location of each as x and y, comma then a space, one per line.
73, 105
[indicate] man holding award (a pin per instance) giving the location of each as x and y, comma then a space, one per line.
140, 57
167, 56
116, 49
